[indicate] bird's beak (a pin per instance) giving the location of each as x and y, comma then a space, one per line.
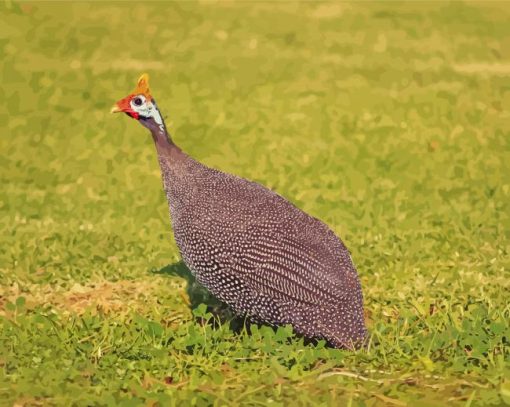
122, 105
116, 109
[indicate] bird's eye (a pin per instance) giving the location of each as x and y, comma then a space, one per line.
137, 101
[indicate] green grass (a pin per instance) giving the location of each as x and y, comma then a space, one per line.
390, 122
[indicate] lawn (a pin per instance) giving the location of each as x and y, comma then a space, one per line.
390, 122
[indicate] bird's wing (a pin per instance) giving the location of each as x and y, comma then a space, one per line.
299, 267
276, 248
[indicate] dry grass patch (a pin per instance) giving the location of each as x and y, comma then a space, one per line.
103, 297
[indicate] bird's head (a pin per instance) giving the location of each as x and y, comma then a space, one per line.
140, 104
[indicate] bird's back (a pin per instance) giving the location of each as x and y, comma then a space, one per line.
262, 255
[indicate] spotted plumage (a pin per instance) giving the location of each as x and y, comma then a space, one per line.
256, 251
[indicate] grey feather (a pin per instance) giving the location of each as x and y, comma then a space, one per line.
260, 254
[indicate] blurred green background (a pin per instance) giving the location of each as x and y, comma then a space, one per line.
389, 121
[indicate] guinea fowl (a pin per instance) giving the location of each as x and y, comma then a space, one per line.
250, 247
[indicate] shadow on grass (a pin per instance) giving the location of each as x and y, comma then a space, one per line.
198, 294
